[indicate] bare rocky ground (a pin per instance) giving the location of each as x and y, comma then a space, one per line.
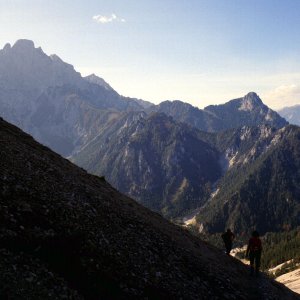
65, 234
291, 280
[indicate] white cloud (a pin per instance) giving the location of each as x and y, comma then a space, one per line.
108, 19
284, 95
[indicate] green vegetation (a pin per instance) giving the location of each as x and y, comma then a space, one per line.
279, 248
259, 192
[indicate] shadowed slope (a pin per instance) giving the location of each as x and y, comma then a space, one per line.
67, 234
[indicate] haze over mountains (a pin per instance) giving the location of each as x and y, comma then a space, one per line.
49, 99
173, 158
292, 114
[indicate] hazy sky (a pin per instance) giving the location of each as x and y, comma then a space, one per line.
201, 52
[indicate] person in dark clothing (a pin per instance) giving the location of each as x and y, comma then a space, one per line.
254, 250
228, 238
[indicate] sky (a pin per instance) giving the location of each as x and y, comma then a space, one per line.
198, 51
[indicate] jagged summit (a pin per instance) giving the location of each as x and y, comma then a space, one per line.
253, 97
24, 44
250, 102
248, 110
47, 97
98, 80
24, 67
21, 47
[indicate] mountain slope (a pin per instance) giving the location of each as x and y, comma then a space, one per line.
65, 233
261, 188
162, 164
291, 114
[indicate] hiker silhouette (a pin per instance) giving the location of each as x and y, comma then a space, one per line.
254, 250
228, 238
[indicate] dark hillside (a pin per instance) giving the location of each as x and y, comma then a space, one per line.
161, 163
66, 234
262, 190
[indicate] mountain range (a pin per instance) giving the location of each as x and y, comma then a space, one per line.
66, 234
261, 186
173, 158
248, 110
49, 99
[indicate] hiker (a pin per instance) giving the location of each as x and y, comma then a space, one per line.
254, 252
228, 238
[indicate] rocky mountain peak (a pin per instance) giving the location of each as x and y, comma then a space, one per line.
98, 80
7, 47
24, 44
24, 67
250, 102
24, 48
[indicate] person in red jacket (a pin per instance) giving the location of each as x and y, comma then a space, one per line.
254, 250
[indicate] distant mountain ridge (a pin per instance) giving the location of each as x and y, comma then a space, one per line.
261, 188
291, 114
248, 110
